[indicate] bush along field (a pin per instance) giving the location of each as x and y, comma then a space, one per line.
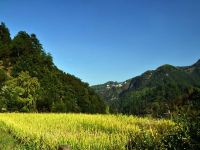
92, 132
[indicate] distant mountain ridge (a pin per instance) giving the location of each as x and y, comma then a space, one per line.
154, 89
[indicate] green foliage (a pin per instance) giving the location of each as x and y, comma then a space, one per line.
58, 107
20, 93
189, 117
3, 77
191, 124
173, 139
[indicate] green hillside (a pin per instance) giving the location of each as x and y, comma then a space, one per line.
30, 81
156, 92
110, 91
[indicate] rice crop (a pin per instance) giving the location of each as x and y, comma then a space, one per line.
87, 132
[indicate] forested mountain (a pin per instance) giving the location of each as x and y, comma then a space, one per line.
156, 92
110, 92
29, 80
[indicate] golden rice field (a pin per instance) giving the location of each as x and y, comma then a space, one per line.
86, 132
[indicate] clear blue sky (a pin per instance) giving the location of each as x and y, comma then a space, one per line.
102, 40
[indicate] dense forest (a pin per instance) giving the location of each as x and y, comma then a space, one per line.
30, 81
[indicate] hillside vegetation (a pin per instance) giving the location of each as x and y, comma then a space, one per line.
30, 81
157, 92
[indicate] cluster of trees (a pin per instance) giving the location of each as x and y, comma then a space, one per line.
30, 81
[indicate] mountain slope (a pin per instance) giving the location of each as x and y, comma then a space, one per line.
156, 91
23, 59
110, 92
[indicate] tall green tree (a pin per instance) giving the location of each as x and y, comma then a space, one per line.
5, 41
4, 34
21, 44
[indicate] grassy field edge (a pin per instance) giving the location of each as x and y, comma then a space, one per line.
7, 140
